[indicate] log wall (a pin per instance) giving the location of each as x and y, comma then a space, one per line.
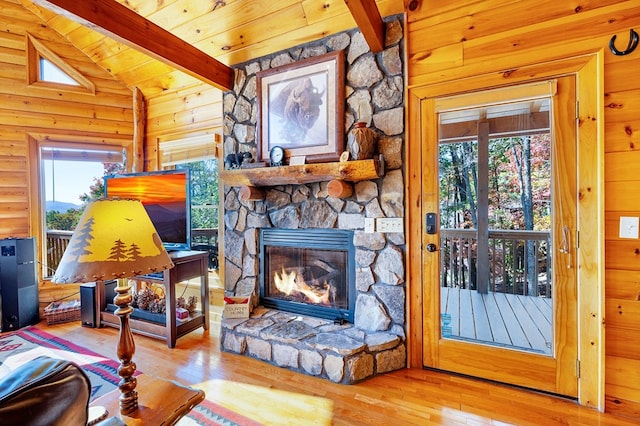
445, 39
29, 114
461, 38
184, 113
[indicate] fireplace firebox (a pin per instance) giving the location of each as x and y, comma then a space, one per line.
308, 271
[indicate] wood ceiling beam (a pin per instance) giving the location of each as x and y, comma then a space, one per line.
368, 19
110, 18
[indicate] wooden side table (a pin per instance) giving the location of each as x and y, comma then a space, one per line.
160, 402
188, 264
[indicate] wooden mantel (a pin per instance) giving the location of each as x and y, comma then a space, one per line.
351, 171
338, 173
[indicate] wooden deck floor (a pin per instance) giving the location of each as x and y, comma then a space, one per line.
523, 322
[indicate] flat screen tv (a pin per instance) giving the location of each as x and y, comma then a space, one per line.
166, 197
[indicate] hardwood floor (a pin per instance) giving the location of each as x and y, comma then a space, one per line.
275, 396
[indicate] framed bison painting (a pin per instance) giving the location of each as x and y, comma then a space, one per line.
301, 108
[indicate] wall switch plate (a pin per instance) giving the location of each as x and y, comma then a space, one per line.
390, 224
369, 225
628, 227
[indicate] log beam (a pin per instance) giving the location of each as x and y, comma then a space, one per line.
139, 124
368, 19
110, 18
339, 189
251, 193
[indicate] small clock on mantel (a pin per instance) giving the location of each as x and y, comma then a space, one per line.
276, 156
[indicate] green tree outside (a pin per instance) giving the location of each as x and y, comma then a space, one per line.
67, 221
204, 193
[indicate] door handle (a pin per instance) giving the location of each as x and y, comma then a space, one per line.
431, 247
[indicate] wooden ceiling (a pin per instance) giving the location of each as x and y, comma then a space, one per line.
229, 32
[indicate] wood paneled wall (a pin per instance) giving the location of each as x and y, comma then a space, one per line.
184, 113
29, 114
451, 40
446, 39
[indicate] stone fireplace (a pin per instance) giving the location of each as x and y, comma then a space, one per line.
308, 271
368, 335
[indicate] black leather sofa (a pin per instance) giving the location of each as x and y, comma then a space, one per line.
45, 392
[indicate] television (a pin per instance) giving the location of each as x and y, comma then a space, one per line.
166, 197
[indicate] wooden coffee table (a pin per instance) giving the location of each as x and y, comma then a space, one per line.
160, 402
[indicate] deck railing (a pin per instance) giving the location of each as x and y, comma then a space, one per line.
57, 242
518, 261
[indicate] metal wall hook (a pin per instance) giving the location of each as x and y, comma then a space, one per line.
633, 43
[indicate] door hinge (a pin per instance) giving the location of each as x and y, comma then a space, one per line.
578, 368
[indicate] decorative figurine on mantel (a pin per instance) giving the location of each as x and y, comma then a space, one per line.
235, 160
361, 142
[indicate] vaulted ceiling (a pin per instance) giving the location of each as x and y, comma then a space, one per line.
229, 31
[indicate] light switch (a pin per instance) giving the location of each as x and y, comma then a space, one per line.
628, 227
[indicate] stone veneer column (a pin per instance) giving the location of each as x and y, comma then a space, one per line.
374, 94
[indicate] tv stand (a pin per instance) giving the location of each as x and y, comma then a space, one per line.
188, 264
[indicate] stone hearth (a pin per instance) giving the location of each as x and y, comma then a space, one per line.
340, 353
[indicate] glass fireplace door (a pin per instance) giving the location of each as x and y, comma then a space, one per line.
308, 271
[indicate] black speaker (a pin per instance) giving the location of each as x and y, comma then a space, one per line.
110, 291
18, 283
88, 312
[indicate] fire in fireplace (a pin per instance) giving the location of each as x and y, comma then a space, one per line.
308, 271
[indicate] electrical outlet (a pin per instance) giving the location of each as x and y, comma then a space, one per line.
389, 224
369, 225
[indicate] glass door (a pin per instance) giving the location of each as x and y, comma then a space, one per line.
506, 214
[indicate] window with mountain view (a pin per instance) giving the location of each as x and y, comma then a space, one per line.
71, 177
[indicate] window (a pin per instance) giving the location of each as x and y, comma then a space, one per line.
204, 200
495, 194
200, 155
49, 71
71, 177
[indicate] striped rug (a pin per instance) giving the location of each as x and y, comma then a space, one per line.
21, 346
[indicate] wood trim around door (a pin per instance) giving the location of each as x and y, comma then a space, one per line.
588, 70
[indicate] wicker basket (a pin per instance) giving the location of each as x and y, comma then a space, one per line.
59, 312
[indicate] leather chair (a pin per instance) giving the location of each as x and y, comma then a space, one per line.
45, 391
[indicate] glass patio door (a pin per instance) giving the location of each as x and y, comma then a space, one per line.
506, 224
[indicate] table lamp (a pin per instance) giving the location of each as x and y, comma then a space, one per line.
115, 239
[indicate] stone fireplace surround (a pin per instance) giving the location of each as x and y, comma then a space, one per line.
375, 342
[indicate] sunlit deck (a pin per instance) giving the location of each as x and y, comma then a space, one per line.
524, 322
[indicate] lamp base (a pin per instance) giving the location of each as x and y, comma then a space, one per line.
125, 349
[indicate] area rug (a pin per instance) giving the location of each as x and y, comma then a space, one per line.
21, 346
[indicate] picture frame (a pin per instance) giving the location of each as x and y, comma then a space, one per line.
301, 108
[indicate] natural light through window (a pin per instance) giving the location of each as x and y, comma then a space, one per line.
51, 73
70, 179
63, 189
